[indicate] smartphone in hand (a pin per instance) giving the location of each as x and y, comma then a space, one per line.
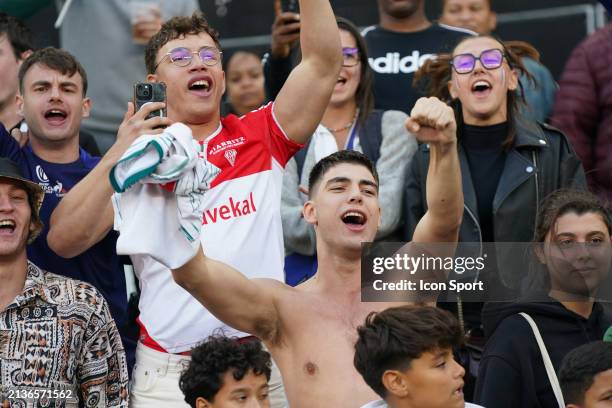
148, 92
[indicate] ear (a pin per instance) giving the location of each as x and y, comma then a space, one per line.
512, 80
572, 406
452, 88
19, 100
202, 403
492, 21
223, 83
152, 78
538, 250
24, 55
86, 107
310, 212
395, 383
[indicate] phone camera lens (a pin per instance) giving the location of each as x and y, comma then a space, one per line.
144, 91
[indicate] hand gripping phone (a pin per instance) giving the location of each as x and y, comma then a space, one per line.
148, 92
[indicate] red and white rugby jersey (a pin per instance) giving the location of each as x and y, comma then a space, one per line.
241, 226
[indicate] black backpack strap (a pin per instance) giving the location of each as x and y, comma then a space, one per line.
300, 158
370, 136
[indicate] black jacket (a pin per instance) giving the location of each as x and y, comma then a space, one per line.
512, 372
540, 162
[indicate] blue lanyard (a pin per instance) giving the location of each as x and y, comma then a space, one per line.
351, 140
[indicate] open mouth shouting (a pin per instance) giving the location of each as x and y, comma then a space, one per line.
355, 220
7, 226
200, 85
481, 88
55, 116
340, 82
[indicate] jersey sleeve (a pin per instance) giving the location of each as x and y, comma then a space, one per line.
266, 126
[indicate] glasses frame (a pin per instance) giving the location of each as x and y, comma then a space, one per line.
478, 58
357, 59
206, 47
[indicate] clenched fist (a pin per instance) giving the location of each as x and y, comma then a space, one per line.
433, 122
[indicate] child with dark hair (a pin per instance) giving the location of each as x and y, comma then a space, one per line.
405, 354
586, 376
226, 372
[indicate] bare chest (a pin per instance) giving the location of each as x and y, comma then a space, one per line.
317, 356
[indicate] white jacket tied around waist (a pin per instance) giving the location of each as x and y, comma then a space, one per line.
150, 219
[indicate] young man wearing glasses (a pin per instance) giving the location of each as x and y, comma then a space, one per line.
241, 224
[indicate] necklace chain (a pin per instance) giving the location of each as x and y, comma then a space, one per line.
347, 126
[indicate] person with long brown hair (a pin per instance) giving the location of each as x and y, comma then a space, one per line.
508, 163
570, 273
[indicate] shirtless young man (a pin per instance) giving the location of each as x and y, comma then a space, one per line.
310, 330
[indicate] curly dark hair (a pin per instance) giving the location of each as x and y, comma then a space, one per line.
215, 357
177, 27
391, 339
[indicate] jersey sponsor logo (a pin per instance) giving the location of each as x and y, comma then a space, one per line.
228, 144
393, 63
233, 209
230, 155
56, 189
40, 173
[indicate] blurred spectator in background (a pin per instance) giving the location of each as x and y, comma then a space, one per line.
477, 15
245, 83
284, 53
583, 108
53, 101
349, 122
397, 47
108, 38
226, 372
15, 46
401, 43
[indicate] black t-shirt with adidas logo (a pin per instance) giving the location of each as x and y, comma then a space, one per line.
395, 57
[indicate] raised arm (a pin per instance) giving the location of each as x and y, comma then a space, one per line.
301, 102
85, 215
433, 122
246, 304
